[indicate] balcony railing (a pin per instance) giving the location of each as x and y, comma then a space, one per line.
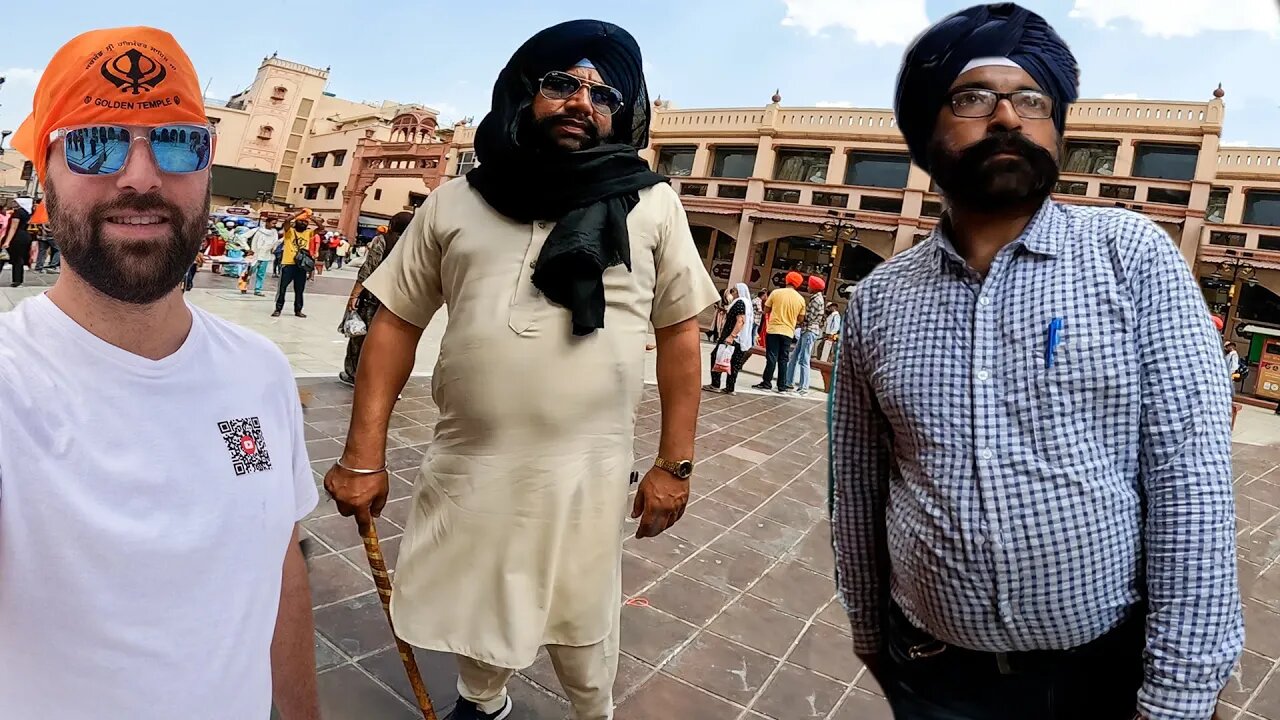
1189, 115
1248, 161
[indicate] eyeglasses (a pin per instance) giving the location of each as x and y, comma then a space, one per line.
557, 85
980, 103
100, 150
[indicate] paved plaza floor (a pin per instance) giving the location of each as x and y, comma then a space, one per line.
731, 614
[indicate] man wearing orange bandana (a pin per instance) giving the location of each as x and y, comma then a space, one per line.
149, 565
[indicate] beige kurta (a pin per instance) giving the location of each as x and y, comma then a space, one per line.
516, 535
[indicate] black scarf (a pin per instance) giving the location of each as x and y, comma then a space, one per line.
588, 193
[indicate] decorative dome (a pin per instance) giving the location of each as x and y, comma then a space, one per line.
414, 127
777, 96
1219, 92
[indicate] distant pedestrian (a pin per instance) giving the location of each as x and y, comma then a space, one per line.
785, 306
798, 369
17, 242
48, 258
830, 331
735, 333
757, 307
262, 243
297, 256
364, 303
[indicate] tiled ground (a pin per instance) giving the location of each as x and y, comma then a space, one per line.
732, 614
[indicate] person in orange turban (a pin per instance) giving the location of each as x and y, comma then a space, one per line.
150, 563
784, 307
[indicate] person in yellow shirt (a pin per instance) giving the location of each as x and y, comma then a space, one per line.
295, 262
785, 306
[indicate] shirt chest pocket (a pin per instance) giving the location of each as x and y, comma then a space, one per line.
1068, 396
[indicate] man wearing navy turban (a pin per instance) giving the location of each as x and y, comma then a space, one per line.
554, 256
1031, 452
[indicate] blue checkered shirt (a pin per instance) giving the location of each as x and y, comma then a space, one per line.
1009, 503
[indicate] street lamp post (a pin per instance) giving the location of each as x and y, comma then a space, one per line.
836, 231
1237, 272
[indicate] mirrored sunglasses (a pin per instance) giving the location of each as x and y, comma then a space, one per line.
104, 149
557, 85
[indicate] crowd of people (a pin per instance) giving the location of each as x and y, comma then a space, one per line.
1030, 457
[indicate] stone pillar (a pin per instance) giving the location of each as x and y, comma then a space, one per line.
1124, 158
352, 201
1235, 208
1192, 229
764, 159
742, 252
904, 238
701, 161
837, 165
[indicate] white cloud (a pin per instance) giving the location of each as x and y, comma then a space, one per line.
1183, 18
1120, 96
873, 22
20, 76
1234, 143
449, 113
835, 103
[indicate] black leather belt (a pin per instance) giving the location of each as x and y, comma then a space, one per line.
917, 644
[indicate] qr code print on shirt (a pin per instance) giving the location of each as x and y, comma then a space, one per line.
245, 443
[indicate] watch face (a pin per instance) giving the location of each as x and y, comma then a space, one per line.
684, 470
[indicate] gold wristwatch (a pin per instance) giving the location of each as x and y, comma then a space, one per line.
682, 469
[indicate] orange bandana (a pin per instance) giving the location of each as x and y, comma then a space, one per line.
118, 76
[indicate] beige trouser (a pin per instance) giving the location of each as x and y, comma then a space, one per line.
586, 674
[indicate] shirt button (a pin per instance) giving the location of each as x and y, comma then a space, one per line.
533, 265
984, 300
987, 454
542, 225
983, 375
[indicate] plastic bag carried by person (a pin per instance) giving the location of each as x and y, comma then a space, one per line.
724, 359
353, 325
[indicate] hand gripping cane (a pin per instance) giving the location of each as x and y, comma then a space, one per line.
373, 551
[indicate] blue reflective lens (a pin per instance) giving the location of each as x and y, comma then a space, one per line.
104, 149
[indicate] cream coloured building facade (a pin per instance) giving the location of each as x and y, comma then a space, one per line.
286, 142
832, 191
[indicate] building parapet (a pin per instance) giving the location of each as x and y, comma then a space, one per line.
1249, 162
296, 67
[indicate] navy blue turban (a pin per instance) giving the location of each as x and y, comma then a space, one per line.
935, 59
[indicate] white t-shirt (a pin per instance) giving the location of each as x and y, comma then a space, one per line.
145, 509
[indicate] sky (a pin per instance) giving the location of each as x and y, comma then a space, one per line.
698, 53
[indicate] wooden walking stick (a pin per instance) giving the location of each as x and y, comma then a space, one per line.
373, 551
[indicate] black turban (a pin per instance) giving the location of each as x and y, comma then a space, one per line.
589, 193
935, 60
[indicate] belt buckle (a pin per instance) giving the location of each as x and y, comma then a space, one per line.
926, 650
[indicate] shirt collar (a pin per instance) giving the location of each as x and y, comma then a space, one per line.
1041, 236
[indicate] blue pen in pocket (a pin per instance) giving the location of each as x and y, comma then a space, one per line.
1051, 341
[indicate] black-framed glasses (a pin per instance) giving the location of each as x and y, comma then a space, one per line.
100, 150
980, 103
557, 85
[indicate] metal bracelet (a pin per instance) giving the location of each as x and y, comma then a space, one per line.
361, 471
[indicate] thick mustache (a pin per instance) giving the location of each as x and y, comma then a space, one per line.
1012, 143
136, 203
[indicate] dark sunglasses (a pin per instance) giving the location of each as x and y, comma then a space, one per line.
557, 85
104, 149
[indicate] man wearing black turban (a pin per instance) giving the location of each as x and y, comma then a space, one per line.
554, 257
1032, 503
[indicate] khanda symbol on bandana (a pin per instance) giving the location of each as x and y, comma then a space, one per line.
134, 71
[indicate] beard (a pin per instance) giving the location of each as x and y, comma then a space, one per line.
973, 178
543, 133
126, 271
